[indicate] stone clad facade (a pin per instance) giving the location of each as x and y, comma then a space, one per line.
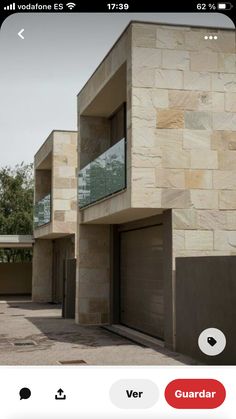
180, 95
55, 167
184, 101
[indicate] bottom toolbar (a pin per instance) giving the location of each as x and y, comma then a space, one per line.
117, 392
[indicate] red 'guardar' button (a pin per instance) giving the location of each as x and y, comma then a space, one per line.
195, 394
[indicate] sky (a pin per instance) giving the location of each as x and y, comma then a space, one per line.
41, 75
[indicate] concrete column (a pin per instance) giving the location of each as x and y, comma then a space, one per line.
42, 271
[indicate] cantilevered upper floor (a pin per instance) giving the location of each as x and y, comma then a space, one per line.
157, 124
55, 194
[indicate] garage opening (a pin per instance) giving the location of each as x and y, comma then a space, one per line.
141, 279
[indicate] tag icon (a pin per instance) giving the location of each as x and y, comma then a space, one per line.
211, 341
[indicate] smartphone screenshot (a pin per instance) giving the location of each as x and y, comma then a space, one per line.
117, 210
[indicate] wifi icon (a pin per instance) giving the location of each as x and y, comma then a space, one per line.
70, 5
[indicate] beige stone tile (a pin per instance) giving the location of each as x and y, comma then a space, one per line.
227, 200
223, 140
224, 240
201, 179
61, 204
169, 79
198, 240
62, 193
230, 102
175, 198
176, 159
146, 157
194, 40
225, 42
169, 38
71, 216
160, 98
145, 197
224, 82
177, 60
197, 80
227, 63
204, 199
178, 238
224, 179
184, 219
198, 120
203, 61
170, 178
144, 176
144, 35
146, 57
196, 139
143, 136
211, 101
218, 101
170, 119
183, 99
227, 160
146, 116
169, 139
144, 77
59, 215
204, 159
211, 219
230, 220
224, 121
148, 97
65, 171
64, 227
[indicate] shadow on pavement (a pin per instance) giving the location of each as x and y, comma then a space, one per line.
66, 331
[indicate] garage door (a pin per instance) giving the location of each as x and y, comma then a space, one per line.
141, 279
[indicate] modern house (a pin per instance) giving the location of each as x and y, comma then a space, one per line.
55, 217
157, 172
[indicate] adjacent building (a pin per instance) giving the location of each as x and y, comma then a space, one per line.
55, 215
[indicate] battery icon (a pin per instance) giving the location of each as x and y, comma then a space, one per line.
224, 6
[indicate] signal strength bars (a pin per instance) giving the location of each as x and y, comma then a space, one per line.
10, 7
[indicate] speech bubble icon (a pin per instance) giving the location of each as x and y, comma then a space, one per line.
25, 393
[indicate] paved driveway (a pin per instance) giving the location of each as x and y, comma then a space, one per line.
35, 334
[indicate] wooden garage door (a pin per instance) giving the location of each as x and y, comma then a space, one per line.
141, 279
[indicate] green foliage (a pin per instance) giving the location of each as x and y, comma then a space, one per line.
16, 207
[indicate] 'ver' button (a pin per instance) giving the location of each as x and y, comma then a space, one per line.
134, 394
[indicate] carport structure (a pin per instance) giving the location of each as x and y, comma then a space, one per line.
16, 277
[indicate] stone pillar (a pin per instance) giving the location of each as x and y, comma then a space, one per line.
42, 271
93, 275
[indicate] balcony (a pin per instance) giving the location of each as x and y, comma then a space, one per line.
104, 176
42, 211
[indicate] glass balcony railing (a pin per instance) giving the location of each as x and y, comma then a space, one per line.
103, 176
42, 211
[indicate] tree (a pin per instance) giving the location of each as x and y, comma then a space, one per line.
16, 207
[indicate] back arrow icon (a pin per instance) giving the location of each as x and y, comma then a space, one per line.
20, 34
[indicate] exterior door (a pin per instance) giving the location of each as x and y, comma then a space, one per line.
68, 305
141, 280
